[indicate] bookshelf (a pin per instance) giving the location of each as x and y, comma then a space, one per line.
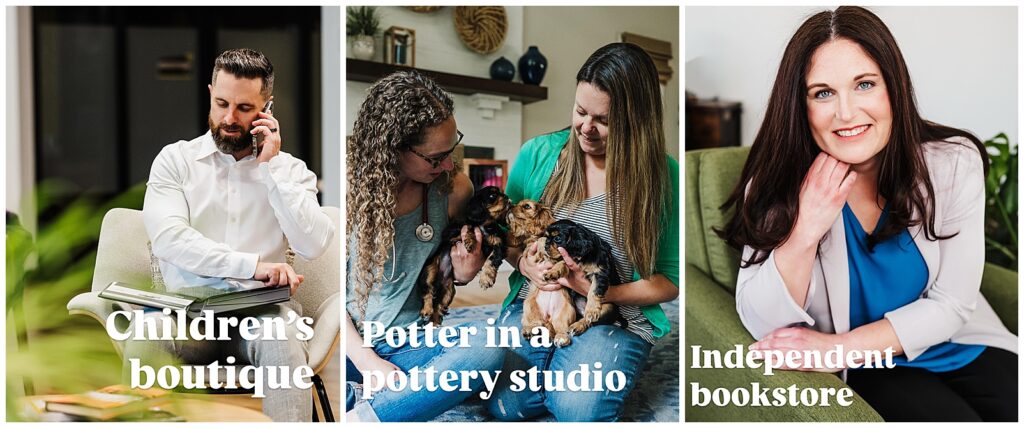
486, 172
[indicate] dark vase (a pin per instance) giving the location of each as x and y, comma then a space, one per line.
502, 69
532, 66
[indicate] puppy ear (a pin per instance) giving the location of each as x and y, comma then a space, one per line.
476, 212
544, 214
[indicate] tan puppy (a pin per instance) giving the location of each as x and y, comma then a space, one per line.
553, 310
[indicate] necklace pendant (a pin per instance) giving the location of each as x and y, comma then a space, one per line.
425, 232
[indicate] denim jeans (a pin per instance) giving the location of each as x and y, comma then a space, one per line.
281, 405
423, 405
614, 347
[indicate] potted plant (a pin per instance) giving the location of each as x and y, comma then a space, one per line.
362, 24
1001, 203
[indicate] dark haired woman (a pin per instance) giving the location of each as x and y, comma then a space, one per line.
401, 183
864, 222
608, 171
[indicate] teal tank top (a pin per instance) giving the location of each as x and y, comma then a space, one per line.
394, 300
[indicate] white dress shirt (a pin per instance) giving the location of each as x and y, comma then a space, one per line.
210, 217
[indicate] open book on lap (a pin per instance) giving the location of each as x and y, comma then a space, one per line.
231, 295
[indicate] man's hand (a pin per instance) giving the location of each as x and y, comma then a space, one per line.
270, 129
278, 274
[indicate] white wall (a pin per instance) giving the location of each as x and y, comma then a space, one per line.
963, 60
19, 160
568, 35
330, 52
439, 48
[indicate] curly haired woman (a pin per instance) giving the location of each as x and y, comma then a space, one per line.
401, 183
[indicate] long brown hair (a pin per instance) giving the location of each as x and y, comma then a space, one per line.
784, 147
397, 110
638, 191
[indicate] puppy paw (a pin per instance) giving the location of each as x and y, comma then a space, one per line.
577, 328
592, 314
530, 330
469, 240
562, 340
488, 274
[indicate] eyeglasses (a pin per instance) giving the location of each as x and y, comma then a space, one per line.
435, 161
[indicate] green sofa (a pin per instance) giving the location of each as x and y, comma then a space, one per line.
711, 319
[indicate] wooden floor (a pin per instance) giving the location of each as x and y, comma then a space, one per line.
472, 295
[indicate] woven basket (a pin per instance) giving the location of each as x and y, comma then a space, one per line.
481, 28
423, 9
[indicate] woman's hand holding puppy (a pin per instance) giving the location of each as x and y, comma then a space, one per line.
466, 264
576, 280
534, 271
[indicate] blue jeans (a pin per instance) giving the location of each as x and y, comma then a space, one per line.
614, 347
423, 405
281, 405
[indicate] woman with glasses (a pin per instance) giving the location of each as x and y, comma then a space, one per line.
609, 172
402, 190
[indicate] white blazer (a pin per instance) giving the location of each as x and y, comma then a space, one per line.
951, 307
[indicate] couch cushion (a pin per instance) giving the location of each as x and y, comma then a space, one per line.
712, 181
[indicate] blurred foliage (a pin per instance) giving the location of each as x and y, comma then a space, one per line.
1001, 203
55, 352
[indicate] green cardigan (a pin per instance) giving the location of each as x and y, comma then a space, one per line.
529, 177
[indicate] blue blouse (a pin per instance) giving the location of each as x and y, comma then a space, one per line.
873, 291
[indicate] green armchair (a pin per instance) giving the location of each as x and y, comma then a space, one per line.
711, 318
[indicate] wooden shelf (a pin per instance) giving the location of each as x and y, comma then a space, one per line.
370, 71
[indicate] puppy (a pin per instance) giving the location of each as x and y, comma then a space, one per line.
594, 256
553, 310
527, 222
487, 210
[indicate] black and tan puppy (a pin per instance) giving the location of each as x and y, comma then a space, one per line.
594, 256
487, 210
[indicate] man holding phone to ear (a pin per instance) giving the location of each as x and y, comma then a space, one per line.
217, 207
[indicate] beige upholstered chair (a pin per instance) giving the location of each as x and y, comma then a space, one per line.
123, 255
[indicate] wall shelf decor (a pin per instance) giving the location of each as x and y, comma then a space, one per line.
369, 72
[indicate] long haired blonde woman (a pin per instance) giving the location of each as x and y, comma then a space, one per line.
609, 172
401, 184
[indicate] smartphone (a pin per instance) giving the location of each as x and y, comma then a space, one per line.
268, 108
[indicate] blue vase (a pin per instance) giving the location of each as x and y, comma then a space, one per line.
532, 66
502, 69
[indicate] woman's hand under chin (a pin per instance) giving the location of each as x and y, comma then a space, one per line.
822, 196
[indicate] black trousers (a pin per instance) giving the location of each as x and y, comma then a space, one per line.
984, 390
